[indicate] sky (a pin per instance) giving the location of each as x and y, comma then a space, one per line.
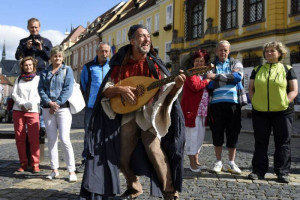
56, 17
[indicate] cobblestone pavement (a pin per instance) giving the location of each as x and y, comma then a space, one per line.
205, 185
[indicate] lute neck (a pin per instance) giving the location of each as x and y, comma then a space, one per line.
190, 72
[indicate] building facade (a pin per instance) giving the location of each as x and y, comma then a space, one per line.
84, 50
246, 24
69, 41
156, 15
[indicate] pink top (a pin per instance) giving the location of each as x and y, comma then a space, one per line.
202, 110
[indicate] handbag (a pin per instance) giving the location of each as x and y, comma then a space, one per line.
76, 100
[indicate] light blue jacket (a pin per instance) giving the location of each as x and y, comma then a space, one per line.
56, 87
98, 73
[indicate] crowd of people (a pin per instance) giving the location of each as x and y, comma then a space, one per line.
152, 139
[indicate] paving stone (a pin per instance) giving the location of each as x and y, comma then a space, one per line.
205, 185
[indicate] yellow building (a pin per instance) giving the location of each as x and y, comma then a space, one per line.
246, 24
156, 15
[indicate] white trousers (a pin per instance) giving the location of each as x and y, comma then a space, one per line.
61, 120
195, 136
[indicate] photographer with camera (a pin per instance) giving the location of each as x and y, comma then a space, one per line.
36, 46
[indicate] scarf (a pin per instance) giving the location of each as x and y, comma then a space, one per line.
27, 77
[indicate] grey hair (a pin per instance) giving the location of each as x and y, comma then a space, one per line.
223, 42
102, 43
57, 49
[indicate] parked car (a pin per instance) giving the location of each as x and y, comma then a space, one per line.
2, 113
6, 110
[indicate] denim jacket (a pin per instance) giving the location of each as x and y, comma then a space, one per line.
56, 87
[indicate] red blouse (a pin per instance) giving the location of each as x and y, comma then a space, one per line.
191, 98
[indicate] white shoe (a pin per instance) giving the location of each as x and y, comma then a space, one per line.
52, 175
232, 168
217, 167
198, 170
72, 178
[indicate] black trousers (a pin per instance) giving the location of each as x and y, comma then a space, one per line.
226, 119
263, 123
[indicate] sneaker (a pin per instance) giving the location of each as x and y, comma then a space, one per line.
53, 175
283, 179
217, 167
197, 170
35, 169
72, 178
80, 168
232, 168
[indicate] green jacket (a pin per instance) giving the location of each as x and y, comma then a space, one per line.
270, 85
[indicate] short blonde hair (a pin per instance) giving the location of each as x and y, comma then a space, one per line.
56, 50
281, 48
33, 20
34, 62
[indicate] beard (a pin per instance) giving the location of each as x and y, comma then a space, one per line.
140, 48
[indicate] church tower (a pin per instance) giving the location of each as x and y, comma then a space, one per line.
3, 52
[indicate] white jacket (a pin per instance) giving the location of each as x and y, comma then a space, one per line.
25, 93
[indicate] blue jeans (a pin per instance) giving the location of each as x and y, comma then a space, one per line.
42, 123
87, 117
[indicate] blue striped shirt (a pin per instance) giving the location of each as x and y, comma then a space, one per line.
226, 93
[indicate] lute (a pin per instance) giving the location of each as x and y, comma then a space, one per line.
146, 88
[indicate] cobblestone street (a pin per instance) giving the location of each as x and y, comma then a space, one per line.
205, 185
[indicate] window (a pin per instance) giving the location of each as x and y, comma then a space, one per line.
295, 57
169, 14
149, 24
295, 7
75, 58
110, 41
156, 49
95, 47
194, 26
124, 35
167, 49
90, 51
141, 22
118, 37
228, 14
156, 22
252, 62
86, 53
81, 55
253, 11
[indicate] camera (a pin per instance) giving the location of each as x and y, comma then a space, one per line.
33, 38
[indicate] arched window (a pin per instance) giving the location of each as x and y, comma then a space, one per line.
194, 19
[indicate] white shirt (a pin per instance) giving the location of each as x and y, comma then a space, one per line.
25, 93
